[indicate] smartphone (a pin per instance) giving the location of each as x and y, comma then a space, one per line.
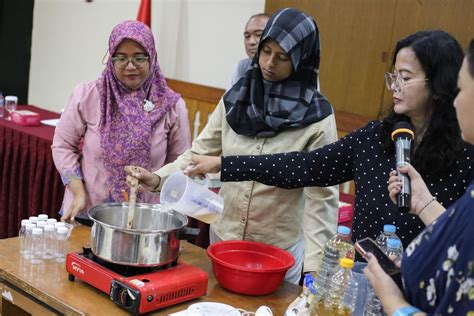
366, 245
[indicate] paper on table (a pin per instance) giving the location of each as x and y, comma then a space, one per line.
52, 122
181, 313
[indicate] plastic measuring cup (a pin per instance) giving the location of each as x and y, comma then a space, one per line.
191, 198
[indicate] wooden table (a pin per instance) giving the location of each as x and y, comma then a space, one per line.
46, 289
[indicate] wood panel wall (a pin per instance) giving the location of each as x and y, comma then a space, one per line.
358, 37
453, 16
201, 101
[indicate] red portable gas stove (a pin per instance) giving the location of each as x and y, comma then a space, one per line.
138, 289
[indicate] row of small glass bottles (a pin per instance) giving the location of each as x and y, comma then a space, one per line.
43, 238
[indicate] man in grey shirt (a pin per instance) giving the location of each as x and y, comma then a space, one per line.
253, 31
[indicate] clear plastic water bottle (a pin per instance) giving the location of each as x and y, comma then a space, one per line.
373, 306
28, 239
388, 232
2, 105
394, 249
21, 234
36, 246
342, 292
321, 281
43, 217
61, 244
341, 243
49, 242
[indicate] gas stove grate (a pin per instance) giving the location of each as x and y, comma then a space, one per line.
124, 270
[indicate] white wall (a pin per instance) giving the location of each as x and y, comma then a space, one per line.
198, 41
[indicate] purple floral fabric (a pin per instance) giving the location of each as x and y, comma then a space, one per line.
125, 127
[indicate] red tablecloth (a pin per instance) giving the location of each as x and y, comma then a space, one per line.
29, 182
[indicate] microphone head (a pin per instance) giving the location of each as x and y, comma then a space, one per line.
403, 129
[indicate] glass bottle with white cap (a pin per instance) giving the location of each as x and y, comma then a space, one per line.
28, 238
41, 224
49, 242
59, 224
51, 221
11, 102
43, 217
33, 219
36, 246
61, 244
21, 234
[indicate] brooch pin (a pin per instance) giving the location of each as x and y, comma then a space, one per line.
148, 105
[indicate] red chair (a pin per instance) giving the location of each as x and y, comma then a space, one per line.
346, 209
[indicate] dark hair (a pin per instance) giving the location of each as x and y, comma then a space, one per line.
440, 56
470, 58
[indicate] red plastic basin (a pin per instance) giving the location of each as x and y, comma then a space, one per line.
249, 267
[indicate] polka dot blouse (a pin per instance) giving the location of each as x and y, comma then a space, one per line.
361, 157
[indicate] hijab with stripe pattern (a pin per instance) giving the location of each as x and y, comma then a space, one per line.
255, 107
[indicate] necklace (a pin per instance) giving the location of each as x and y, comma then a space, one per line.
148, 105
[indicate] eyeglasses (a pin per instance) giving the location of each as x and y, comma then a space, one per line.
122, 62
396, 83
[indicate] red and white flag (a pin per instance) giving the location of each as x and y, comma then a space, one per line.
144, 12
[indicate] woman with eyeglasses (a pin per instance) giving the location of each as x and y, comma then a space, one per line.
127, 116
425, 65
438, 266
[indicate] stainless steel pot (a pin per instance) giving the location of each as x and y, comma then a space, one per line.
154, 239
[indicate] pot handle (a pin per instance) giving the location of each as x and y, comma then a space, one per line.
187, 233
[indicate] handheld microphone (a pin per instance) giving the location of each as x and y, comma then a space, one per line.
403, 135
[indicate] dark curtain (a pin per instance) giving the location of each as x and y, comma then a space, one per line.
16, 24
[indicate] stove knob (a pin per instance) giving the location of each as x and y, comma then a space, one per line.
149, 298
123, 297
126, 297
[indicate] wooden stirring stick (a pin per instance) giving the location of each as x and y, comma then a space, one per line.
132, 202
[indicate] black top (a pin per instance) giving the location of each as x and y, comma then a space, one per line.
361, 157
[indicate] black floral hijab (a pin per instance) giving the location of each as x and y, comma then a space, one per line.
255, 107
